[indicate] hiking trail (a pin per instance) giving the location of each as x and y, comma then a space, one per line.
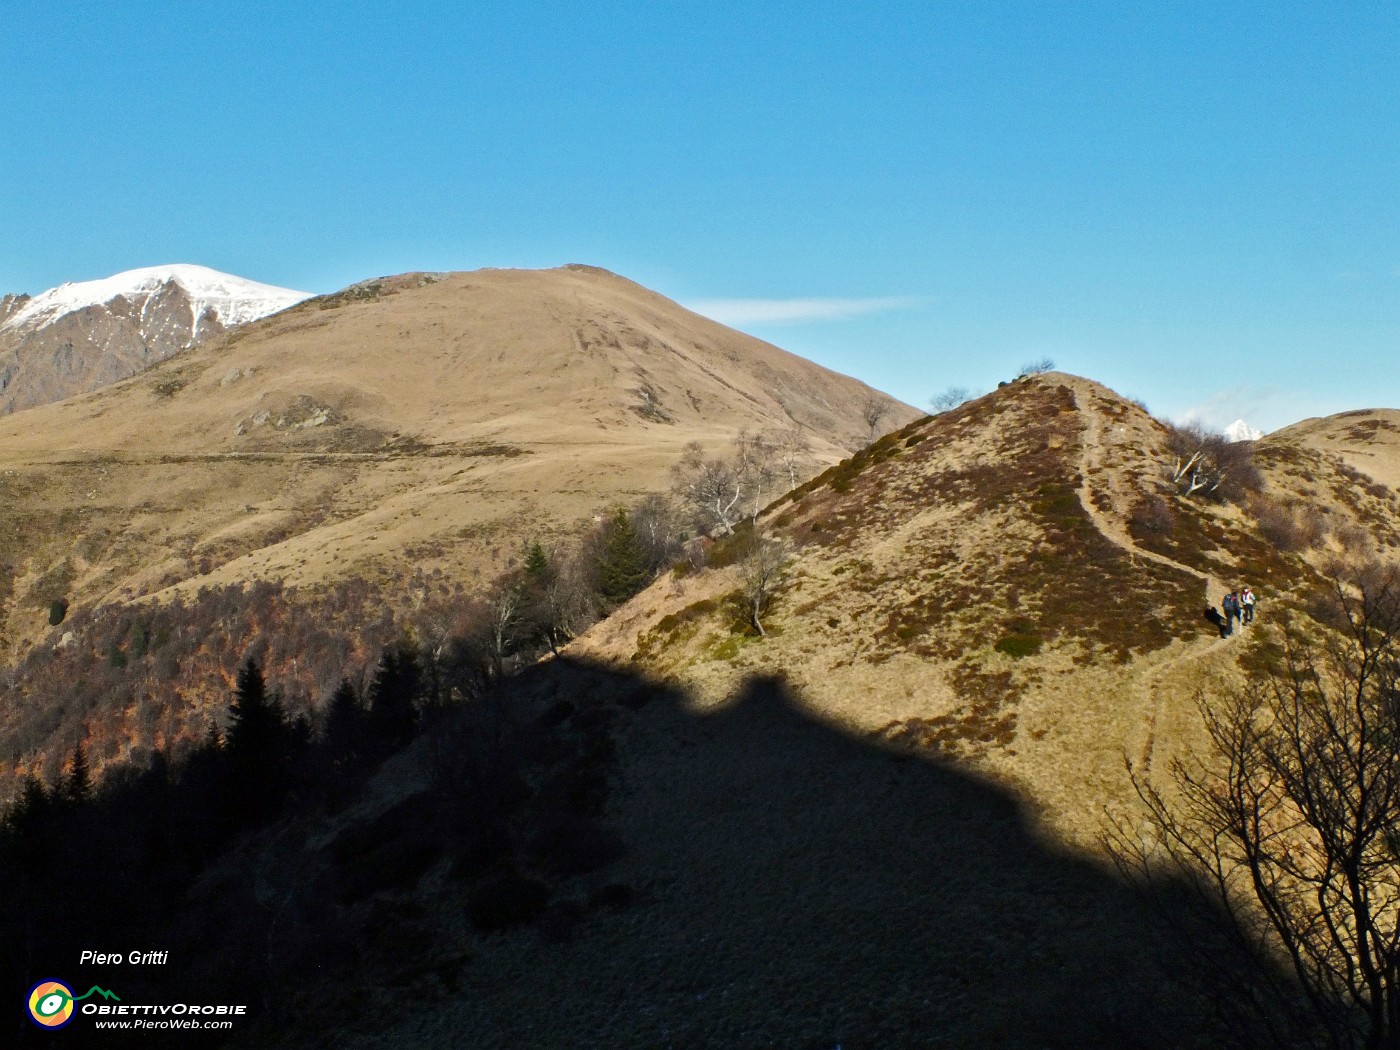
1091, 469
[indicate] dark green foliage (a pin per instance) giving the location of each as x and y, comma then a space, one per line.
253, 723
536, 560
344, 733
31, 808
259, 749
622, 564
58, 610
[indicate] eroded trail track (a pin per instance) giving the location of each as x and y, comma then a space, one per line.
1097, 492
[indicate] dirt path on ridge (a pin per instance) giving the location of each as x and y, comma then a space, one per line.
1091, 468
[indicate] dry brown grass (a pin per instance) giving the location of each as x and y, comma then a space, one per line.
1010, 584
388, 428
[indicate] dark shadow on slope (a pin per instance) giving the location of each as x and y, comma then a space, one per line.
791, 886
579, 859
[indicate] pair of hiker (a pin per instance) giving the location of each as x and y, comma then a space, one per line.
1237, 606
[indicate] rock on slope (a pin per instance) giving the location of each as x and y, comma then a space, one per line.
83, 336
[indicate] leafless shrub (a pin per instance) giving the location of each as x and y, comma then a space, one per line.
951, 399
1208, 465
875, 409
1278, 526
1035, 368
1153, 514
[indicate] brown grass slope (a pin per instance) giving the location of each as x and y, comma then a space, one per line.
1011, 585
420, 420
1367, 440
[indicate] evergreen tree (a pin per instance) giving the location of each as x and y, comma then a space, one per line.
397, 688
258, 748
344, 722
77, 785
536, 560
31, 810
622, 567
255, 726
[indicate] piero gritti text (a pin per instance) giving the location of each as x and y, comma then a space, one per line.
137, 958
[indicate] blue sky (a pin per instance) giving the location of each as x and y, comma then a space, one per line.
1196, 204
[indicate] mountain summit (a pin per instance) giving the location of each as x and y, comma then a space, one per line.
85, 335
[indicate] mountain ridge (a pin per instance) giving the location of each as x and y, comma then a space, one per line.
1012, 585
421, 413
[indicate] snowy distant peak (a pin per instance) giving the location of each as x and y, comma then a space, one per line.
234, 300
1239, 430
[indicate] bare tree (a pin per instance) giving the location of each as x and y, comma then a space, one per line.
951, 399
711, 486
1292, 822
755, 462
763, 568
565, 602
792, 447
1035, 368
875, 409
660, 528
1209, 465
505, 614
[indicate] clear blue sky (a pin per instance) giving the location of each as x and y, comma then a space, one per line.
1198, 204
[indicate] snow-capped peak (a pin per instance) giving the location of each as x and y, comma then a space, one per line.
234, 300
1239, 430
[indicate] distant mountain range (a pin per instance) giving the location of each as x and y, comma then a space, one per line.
83, 336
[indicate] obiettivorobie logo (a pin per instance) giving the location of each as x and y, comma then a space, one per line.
51, 1002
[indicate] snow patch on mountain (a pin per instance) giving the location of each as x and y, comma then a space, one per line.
234, 300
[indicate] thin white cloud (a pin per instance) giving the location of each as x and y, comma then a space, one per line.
1254, 409
795, 311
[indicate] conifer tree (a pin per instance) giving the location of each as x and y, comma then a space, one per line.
394, 694
536, 560
258, 746
622, 567
255, 723
346, 728
77, 785
32, 807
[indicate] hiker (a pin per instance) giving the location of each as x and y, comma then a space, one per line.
1247, 606
1231, 607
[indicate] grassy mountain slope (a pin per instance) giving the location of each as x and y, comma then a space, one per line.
1367, 440
421, 421
1011, 584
